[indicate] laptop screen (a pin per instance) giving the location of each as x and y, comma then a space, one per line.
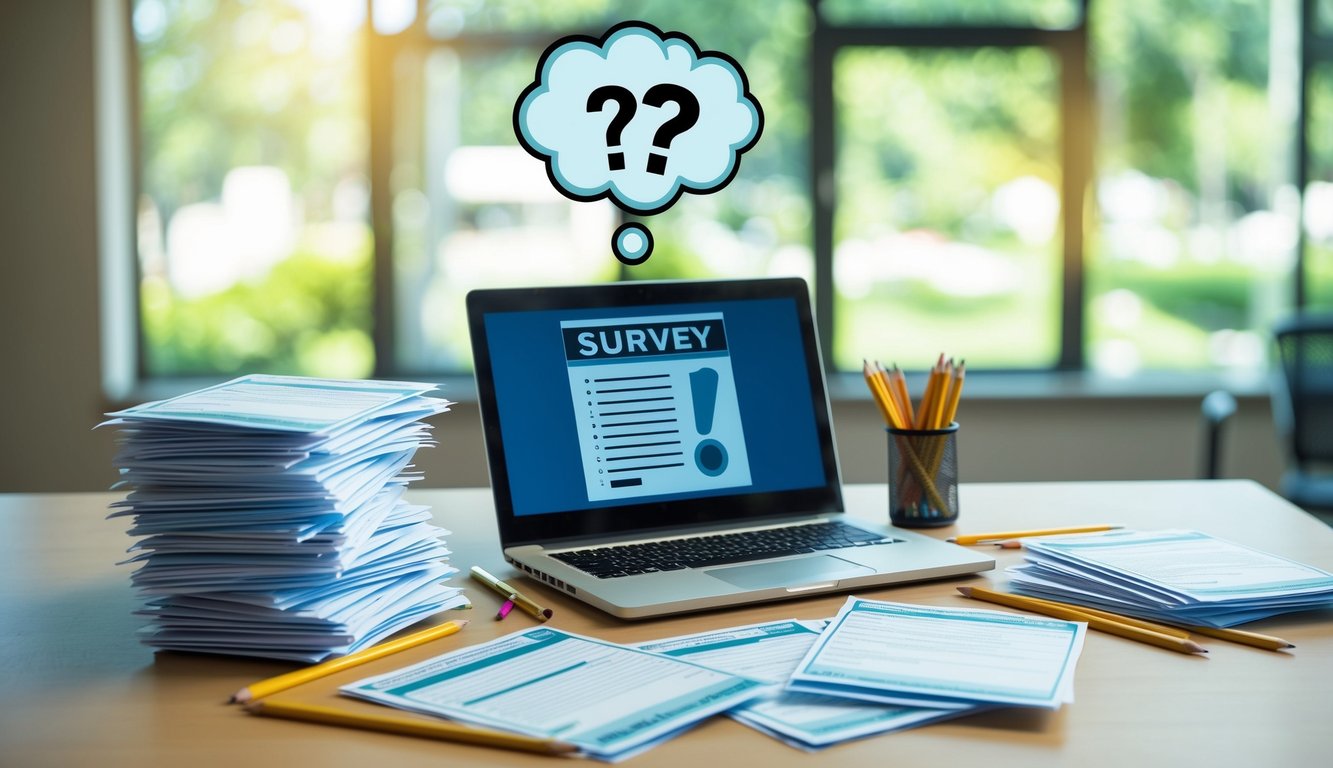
641, 406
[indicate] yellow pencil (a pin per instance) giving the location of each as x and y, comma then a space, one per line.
313, 713
1151, 626
925, 413
986, 538
955, 394
1254, 639
298, 677
903, 409
1117, 628
882, 397
942, 395
900, 386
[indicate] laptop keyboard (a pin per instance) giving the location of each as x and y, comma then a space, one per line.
720, 549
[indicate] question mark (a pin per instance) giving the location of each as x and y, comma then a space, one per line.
625, 108
688, 115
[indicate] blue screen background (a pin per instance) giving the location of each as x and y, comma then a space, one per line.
537, 417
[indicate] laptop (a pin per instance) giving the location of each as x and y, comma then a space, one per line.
663, 447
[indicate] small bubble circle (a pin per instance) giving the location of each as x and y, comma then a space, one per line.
632, 243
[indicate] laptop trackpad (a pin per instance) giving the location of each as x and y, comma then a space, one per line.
817, 570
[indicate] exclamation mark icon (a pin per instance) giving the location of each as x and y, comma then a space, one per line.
709, 455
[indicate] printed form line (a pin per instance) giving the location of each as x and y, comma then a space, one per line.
525, 683
633, 378
641, 445
651, 466
645, 456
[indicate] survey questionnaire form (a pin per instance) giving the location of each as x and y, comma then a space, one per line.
655, 405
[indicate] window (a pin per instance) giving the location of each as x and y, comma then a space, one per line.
253, 237
1042, 185
947, 176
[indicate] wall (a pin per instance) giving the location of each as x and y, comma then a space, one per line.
50, 390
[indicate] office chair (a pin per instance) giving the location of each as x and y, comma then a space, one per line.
1217, 407
1303, 409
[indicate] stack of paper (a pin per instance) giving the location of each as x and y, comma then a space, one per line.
1176, 577
272, 516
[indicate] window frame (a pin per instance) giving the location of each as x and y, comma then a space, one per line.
1068, 46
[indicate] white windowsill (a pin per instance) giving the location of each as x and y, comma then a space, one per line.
1049, 385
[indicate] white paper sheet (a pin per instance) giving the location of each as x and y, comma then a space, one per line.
609, 700
770, 652
942, 657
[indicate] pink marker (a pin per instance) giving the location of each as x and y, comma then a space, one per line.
505, 609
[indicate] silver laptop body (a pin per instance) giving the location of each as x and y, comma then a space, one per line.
651, 414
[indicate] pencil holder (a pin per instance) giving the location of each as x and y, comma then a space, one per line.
923, 477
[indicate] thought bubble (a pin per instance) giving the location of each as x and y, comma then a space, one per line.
638, 118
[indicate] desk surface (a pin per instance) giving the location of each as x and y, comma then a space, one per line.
79, 690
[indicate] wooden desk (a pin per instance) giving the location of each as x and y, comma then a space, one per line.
78, 689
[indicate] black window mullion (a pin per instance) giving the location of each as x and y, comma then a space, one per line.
1311, 49
1077, 129
823, 187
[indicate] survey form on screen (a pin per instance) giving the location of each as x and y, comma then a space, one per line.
655, 405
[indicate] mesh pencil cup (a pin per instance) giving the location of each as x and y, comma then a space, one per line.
923, 477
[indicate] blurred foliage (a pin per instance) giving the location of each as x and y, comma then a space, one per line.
925, 138
228, 84
1321, 123
1319, 256
1159, 61
1206, 295
1039, 13
309, 315
1319, 277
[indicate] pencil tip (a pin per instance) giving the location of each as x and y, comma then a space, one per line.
967, 591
